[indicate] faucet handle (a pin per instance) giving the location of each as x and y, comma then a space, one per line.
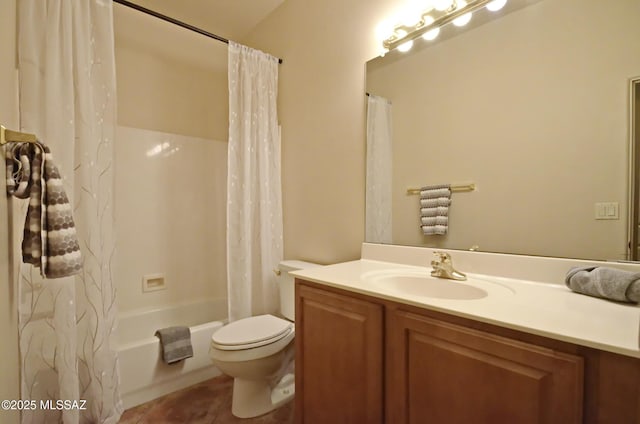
444, 267
443, 256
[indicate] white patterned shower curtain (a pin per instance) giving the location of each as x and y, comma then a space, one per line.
378, 208
254, 194
67, 97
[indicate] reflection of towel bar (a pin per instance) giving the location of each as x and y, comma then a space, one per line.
454, 189
8, 136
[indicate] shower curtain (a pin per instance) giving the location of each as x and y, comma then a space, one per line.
379, 171
254, 195
67, 97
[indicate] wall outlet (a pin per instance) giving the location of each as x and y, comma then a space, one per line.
607, 210
153, 282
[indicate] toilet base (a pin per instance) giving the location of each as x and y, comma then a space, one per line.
252, 398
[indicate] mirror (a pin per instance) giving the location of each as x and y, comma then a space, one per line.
533, 107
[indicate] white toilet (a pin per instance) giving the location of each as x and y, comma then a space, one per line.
258, 353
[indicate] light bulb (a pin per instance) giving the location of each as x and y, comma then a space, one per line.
496, 5
428, 20
410, 18
464, 19
384, 30
411, 14
420, 5
431, 34
442, 5
405, 47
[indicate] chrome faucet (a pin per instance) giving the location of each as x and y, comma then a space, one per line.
443, 267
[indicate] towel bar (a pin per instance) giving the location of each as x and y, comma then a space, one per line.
454, 189
9, 136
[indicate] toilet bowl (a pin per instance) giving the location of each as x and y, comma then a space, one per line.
258, 353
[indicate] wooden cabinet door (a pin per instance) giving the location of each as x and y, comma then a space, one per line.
339, 366
441, 373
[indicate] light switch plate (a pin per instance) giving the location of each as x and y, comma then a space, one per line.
607, 210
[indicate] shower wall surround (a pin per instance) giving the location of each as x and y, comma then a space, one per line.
171, 217
171, 162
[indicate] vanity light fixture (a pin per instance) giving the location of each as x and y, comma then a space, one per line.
428, 27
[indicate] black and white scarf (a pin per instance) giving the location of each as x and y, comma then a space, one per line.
49, 241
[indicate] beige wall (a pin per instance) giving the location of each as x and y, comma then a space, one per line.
531, 109
160, 93
9, 366
169, 79
324, 45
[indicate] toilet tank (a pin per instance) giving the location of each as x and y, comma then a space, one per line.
286, 286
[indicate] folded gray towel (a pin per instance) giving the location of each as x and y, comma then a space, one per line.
438, 211
435, 192
608, 283
176, 343
434, 220
435, 202
434, 209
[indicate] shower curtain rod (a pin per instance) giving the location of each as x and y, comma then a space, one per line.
174, 21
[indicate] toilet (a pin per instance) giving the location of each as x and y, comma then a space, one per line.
258, 352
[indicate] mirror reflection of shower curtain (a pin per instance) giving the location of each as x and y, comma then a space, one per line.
68, 98
379, 171
254, 193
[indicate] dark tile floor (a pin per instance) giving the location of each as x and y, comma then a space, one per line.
205, 403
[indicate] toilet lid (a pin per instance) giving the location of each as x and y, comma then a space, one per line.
252, 332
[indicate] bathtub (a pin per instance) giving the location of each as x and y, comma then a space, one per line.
143, 374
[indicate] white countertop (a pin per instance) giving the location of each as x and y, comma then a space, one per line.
550, 310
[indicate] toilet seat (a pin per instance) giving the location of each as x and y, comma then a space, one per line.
252, 332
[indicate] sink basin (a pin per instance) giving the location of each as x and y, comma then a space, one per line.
419, 282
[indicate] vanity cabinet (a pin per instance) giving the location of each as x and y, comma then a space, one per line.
439, 372
361, 359
339, 358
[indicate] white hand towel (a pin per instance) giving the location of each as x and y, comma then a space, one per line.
434, 220
437, 230
426, 193
439, 211
432, 203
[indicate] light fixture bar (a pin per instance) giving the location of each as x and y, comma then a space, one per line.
416, 31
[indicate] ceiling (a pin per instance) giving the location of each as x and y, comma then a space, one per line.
231, 19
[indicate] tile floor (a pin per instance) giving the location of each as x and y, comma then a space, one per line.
205, 403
